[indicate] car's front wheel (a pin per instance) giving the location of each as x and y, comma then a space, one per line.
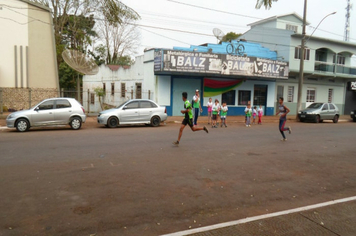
336, 119
75, 123
317, 119
113, 122
155, 121
22, 125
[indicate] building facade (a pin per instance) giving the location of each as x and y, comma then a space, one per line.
328, 73
28, 54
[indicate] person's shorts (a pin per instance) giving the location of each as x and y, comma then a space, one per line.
223, 117
188, 122
214, 116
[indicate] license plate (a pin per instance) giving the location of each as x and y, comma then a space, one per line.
303, 116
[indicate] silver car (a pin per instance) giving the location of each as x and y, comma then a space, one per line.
49, 112
319, 111
137, 111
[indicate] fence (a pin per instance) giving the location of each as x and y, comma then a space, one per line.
15, 99
94, 104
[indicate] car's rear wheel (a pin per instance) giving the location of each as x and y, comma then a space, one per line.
155, 121
336, 119
22, 125
113, 122
75, 123
317, 119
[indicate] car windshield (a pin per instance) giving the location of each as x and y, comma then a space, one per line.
122, 104
315, 105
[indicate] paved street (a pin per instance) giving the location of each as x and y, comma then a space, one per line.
133, 181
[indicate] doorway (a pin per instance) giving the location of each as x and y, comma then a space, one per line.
260, 96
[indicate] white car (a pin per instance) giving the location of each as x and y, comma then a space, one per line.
136, 111
49, 112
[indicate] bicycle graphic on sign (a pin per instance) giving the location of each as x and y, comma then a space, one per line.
235, 48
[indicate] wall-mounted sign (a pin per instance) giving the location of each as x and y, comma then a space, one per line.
353, 85
219, 64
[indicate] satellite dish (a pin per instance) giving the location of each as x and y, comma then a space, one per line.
80, 62
218, 33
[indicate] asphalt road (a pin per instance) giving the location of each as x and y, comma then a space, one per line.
133, 181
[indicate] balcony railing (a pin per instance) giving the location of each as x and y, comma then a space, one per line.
334, 68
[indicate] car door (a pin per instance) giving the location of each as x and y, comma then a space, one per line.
130, 113
146, 110
332, 110
43, 114
62, 112
324, 112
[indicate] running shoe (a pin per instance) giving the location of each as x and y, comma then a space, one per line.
206, 129
176, 143
290, 129
283, 139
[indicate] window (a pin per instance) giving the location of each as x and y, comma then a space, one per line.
325, 107
146, 104
92, 98
340, 60
132, 105
229, 97
123, 90
290, 93
63, 103
244, 97
292, 27
298, 51
104, 87
46, 105
311, 95
332, 107
330, 95
138, 90
113, 89
280, 91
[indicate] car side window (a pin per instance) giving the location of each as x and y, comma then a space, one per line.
46, 105
63, 103
325, 107
153, 105
132, 105
332, 107
145, 104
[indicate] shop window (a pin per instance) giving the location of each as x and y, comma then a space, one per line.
298, 51
330, 95
290, 93
310, 95
229, 97
123, 90
244, 97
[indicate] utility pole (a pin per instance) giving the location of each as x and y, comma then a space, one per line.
347, 24
301, 66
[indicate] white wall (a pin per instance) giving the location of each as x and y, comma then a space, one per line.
163, 93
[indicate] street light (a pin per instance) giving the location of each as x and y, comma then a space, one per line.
301, 67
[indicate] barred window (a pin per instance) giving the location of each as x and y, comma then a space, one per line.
330, 95
92, 98
113, 89
123, 90
290, 93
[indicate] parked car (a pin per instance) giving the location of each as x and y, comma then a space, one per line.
49, 112
318, 112
137, 111
353, 115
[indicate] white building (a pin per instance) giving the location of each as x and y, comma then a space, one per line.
327, 65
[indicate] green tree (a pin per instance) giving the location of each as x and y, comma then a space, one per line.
230, 36
266, 3
100, 93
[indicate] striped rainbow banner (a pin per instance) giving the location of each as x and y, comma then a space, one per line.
216, 87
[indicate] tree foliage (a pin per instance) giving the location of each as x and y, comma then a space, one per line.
230, 36
266, 3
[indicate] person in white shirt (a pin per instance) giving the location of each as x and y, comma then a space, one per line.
210, 109
196, 106
260, 114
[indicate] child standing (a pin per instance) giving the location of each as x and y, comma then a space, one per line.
215, 113
248, 112
260, 114
254, 114
224, 110
210, 109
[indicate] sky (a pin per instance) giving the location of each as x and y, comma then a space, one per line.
193, 26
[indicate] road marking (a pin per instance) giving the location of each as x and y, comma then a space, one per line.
261, 217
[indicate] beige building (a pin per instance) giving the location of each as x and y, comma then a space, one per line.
28, 64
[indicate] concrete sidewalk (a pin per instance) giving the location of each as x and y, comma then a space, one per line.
334, 218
